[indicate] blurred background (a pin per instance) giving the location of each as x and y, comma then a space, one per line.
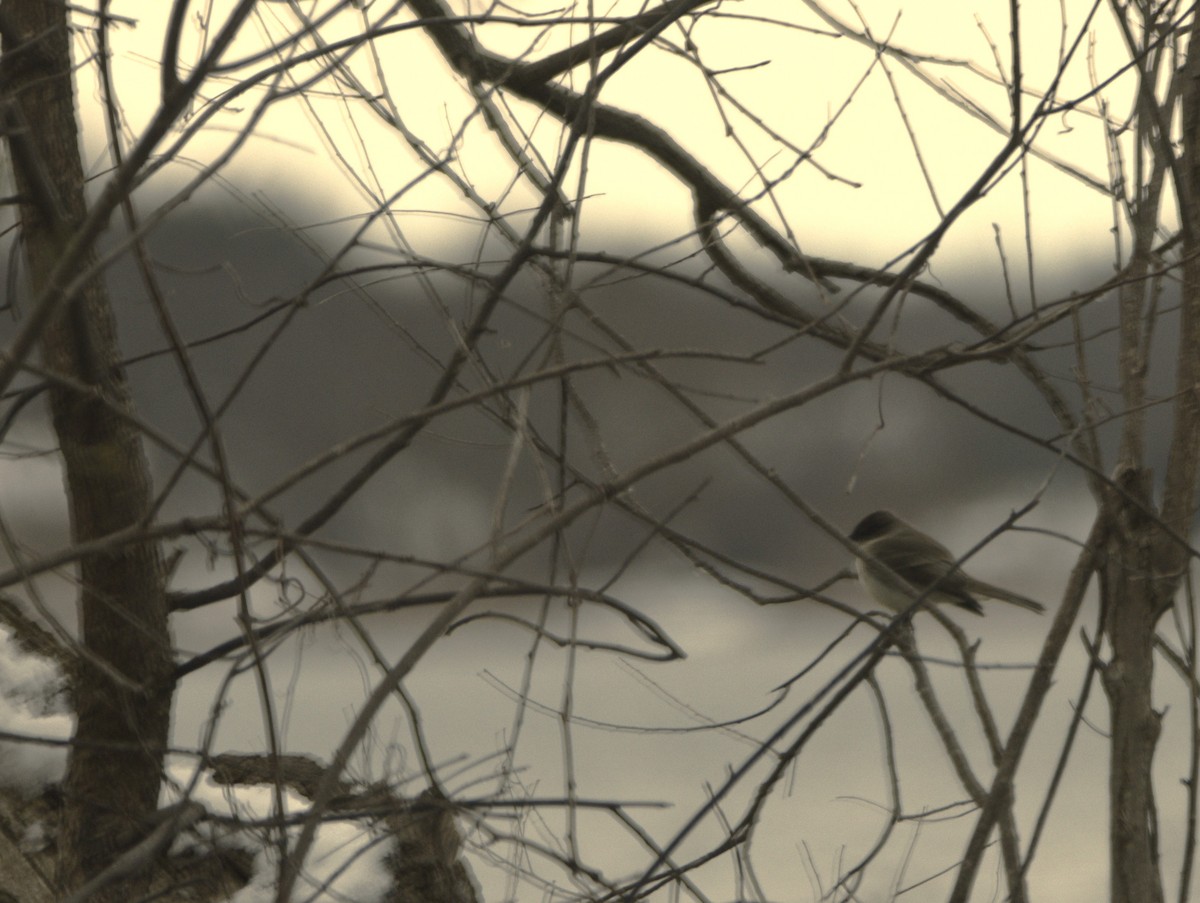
325, 275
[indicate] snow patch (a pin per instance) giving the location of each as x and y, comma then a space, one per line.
30, 706
348, 860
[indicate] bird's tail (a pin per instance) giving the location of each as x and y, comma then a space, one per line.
995, 592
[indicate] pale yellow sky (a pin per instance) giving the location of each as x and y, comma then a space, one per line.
804, 78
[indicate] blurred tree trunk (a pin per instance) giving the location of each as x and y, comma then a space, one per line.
1132, 613
121, 686
1145, 563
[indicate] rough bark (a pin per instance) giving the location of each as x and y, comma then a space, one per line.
21, 874
1133, 611
121, 689
428, 862
1145, 560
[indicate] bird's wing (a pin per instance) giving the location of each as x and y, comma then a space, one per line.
921, 561
917, 558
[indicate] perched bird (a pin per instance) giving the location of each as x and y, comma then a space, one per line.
919, 561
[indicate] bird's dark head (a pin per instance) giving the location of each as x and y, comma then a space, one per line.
873, 526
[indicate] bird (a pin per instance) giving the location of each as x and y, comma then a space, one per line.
922, 562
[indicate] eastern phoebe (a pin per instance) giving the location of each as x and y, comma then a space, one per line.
921, 562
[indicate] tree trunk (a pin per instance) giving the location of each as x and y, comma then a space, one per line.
121, 686
1133, 609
